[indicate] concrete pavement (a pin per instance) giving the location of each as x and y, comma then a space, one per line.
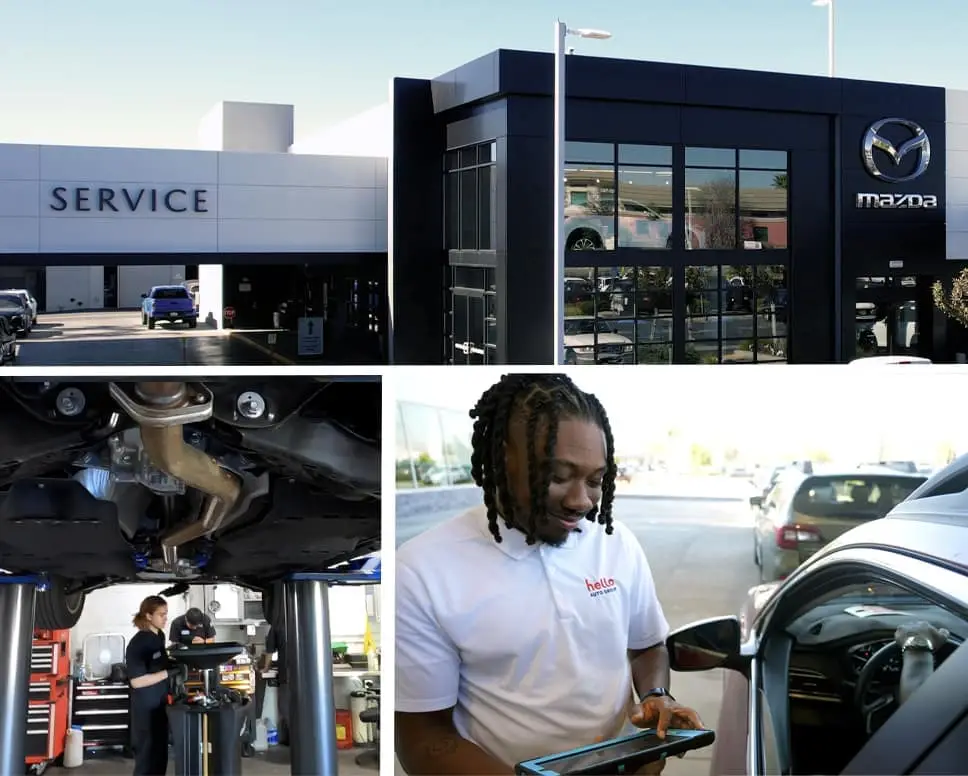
700, 551
111, 338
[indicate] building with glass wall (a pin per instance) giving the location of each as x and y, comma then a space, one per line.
433, 446
712, 216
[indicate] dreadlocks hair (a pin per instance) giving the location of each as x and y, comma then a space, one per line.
553, 397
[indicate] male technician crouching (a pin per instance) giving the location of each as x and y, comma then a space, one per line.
523, 625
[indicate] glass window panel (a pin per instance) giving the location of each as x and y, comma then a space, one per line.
654, 353
710, 157
589, 208
451, 160
736, 302
424, 439
702, 352
771, 301
645, 154
486, 195
763, 160
702, 303
616, 292
487, 153
711, 209
653, 296
468, 156
771, 351
406, 474
645, 207
763, 202
475, 322
456, 431
579, 291
738, 351
490, 279
594, 153
469, 277
468, 210
452, 210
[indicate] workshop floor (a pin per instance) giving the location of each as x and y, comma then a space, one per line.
274, 763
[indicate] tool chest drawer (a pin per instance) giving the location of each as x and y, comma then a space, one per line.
101, 710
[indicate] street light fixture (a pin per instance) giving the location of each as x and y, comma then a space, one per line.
829, 5
561, 34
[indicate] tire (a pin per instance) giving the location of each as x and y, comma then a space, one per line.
584, 240
55, 610
144, 320
151, 322
193, 323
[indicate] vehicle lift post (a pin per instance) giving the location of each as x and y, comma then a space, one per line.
312, 716
17, 597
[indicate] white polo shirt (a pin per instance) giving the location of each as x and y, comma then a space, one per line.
528, 643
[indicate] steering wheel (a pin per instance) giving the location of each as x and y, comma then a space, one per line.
865, 679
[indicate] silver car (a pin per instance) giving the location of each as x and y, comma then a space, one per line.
809, 507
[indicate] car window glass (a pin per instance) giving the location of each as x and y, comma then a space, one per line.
852, 496
170, 293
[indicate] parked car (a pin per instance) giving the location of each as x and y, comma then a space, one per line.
8, 342
804, 511
168, 303
817, 680
591, 341
15, 310
24, 294
890, 361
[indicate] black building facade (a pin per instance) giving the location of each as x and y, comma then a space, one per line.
712, 216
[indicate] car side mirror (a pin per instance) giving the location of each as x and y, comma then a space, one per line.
144, 296
705, 645
756, 501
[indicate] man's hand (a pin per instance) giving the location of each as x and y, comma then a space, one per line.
662, 713
198, 640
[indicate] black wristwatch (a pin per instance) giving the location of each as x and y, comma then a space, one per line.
658, 692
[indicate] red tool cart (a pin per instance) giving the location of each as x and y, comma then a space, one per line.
48, 712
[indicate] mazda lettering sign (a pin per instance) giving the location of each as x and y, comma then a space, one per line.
897, 201
882, 160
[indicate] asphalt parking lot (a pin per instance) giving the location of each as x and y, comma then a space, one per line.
700, 551
117, 338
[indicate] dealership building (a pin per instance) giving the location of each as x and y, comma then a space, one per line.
711, 216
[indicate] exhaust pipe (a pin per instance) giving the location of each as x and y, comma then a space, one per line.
163, 441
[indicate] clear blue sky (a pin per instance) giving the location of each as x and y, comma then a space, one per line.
117, 72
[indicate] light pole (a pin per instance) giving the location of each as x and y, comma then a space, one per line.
561, 34
829, 5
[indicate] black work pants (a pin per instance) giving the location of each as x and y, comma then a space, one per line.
149, 740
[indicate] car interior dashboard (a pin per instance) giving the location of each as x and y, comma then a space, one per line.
831, 646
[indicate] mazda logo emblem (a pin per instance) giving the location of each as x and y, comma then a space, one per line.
918, 143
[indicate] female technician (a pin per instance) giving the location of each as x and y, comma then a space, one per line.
148, 670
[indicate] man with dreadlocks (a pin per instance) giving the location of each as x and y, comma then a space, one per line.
523, 625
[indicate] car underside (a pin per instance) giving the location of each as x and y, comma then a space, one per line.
237, 479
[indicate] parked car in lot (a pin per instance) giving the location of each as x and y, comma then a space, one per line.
805, 510
8, 342
14, 308
855, 664
168, 303
28, 299
591, 341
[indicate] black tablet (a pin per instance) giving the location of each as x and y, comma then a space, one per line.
618, 756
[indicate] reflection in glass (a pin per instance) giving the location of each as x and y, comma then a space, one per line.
763, 202
711, 208
486, 201
771, 301
589, 208
653, 311
433, 446
452, 210
736, 303
645, 207
710, 157
645, 154
593, 153
763, 160
888, 328
590, 340
580, 291
702, 315
468, 210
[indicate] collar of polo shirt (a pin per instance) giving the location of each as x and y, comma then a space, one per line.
515, 545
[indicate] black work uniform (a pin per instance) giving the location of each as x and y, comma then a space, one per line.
149, 715
183, 633
276, 642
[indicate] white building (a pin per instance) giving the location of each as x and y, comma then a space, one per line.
94, 228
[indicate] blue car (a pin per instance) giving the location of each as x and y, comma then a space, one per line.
168, 303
